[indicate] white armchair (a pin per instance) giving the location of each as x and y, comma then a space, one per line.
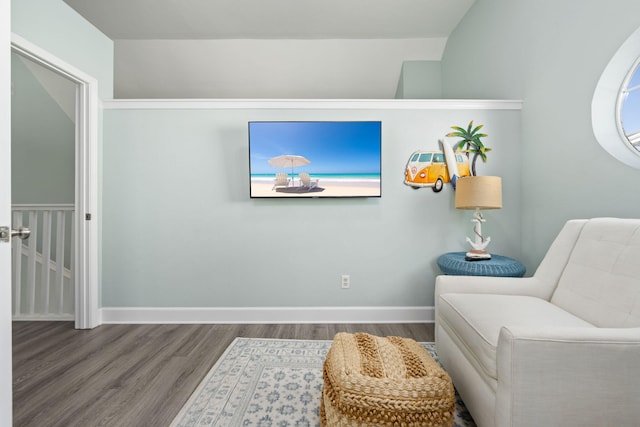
561, 348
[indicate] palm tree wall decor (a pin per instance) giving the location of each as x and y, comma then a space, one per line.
471, 142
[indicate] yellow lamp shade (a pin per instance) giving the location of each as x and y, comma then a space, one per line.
479, 192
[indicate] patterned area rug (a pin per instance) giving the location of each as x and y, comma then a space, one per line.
269, 383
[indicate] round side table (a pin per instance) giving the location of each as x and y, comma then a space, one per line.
453, 263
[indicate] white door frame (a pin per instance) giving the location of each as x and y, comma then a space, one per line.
86, 180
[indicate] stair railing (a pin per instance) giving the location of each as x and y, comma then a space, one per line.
43, 283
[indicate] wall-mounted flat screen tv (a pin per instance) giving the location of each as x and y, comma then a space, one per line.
315, 159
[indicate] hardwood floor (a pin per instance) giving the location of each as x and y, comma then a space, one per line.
135, 375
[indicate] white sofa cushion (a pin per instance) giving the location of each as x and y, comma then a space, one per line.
476, 320
601, 281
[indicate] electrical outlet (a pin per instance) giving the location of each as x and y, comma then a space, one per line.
346, 281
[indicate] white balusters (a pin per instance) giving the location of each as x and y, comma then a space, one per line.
60, 232
32, 223
43, 285
16, 259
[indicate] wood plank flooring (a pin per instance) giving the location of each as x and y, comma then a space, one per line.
135, 375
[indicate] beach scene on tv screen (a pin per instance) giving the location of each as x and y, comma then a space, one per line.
315, 159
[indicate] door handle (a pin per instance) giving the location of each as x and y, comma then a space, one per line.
21, 232
7, 233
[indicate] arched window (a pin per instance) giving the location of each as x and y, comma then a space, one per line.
629, 114
615, 109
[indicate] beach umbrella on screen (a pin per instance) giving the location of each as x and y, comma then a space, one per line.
288, 161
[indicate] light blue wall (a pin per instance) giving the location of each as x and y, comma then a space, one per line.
180, 229
420, 80
53, 26
549, 53
42, 142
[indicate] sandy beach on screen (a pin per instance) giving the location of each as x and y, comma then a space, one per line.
325, 188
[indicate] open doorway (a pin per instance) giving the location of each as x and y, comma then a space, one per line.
43, 107
68, 157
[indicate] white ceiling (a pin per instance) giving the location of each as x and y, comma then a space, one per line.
273, 19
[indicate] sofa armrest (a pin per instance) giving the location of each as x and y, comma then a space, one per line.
568, 376
530, 286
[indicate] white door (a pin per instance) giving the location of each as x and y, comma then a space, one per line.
5, 214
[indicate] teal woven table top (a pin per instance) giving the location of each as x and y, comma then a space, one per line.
453, 263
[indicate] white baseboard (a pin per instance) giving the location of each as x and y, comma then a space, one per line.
42, 317
267, 314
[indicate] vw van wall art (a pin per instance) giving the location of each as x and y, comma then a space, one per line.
430, 169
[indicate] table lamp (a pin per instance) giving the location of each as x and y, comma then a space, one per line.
478, 193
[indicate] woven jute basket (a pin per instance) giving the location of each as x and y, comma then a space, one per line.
373, 381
